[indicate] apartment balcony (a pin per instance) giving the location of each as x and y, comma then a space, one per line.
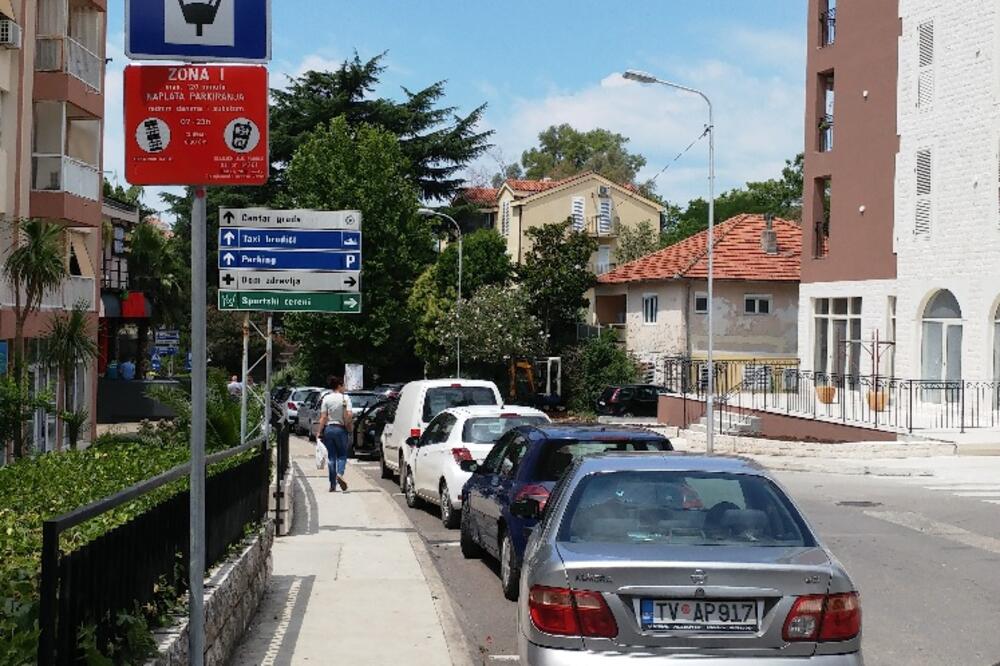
68, 56
61, 173
821, 239
600, 226
828, 27
602, 267
825, 129
66, 157
74, 290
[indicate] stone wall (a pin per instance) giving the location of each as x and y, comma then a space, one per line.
232, 594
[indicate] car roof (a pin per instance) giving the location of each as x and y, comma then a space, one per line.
492, 410
617, 461
578, 430
361, 392
436, 383
306, 388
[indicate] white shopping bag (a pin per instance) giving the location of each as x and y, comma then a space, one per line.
320, 455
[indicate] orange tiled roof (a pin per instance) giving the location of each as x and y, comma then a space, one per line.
522, 185
738, 255
481, 196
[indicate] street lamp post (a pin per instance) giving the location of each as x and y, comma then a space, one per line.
645, 77
427, 212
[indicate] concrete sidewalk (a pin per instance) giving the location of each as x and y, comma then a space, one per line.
353, 583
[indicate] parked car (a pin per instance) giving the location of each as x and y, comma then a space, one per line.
456, 435
641, 558
309, 414
419, 403
629, 400
526, 463
294, 402
279, 394
369, 426
389, 390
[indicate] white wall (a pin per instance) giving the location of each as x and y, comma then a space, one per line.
961, 126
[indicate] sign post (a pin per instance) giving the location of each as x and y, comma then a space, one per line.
199, 395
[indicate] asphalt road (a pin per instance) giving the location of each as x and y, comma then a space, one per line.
927, 562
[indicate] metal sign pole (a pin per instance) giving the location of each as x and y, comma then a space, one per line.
267, 378
245, 386
199, 397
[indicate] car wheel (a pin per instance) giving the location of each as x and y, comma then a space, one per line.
410, 489
386, 472
470, 549
510, 569
449, 517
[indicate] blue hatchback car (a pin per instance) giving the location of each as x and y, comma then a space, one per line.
525, 464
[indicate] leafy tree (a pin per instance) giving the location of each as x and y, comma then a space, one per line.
555, 276
159, 272
337, 167
17, 405
598, 363
35, 266
564, 151
484, 261
507, 172
637, 242
128, 195
427, 309
69, 342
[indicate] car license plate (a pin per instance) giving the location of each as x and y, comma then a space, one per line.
720, 615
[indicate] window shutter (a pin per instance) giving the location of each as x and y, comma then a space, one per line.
925, 76
604, 227
922, 223
577, 213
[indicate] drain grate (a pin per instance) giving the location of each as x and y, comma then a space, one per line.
864, 504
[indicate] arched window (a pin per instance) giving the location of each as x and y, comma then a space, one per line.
996, 347
941, 346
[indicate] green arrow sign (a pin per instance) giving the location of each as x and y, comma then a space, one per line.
289, 301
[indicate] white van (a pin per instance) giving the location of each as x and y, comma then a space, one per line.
419, 403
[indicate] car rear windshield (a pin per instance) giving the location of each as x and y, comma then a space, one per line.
361, 401
300, 395
488, 429
560, 454
445, 397
682, 508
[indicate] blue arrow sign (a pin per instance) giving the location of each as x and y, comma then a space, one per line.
198, 30
276, 239
289, 261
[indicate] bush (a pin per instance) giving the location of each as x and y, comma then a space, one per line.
594, 365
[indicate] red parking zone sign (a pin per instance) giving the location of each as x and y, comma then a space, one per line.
196, 125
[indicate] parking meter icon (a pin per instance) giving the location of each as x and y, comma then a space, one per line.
200, 14
242, 135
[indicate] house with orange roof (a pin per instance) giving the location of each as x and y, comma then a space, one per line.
596, 205
659, 303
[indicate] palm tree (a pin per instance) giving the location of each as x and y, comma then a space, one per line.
70, 342
155, 270
35, 266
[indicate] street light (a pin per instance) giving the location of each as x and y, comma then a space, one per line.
427, 212
646, 77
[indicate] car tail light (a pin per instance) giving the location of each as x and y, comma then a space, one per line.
414, 432
834, 617
614, 395
456, 386
533, 491
292, 405
563, 612
461, 454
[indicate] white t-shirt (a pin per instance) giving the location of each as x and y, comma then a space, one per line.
334, 406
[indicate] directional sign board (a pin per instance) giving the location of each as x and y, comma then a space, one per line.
289, 281
286, 301
264, 218
284, 261
288, 239
198, 30
196, 125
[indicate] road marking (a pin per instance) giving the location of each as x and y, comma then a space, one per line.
924, 525
504, 657
966, 486
978, 494
992, 501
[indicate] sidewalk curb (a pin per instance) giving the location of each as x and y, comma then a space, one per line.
859, 470
459, 650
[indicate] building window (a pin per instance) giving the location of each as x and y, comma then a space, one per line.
925, 182
890, 352
821, 231
577, 213
996, 351
825, 123
941, 345
754, 304
925, 64
827, 22
837, 343
650, 308
505, 219
701, 303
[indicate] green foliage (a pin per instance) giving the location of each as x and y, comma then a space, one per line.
69, 342
495, 326
428, 310
484, 262
555, 276
76, 423
564, 151
293, 374
636, 242
363, 168
594, 365
17, 405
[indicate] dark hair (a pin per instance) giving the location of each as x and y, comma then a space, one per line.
334, 382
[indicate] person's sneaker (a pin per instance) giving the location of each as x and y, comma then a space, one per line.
333, 488
343, 484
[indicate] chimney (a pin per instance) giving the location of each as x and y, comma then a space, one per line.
769, 237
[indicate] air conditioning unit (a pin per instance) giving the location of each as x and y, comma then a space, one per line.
604, 191
10, 34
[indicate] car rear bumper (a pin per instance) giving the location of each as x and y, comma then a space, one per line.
536, 655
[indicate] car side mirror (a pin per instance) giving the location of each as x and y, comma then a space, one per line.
413, 441
470, 466
526, 508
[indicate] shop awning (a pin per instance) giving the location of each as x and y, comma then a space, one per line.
112, 305
135, 305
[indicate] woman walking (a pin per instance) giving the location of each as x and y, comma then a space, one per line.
334, 423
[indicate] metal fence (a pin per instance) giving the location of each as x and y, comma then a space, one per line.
123, 569
745, 387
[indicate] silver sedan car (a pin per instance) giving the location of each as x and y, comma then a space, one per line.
650, 558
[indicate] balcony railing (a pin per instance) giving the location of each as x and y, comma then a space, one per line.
826, 134
828, 27
65, 54
60, 173
74, 290
821, 241
602, 267
601, 226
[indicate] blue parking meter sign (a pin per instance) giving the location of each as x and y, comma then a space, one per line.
198, 30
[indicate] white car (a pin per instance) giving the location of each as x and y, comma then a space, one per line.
294, 402
462, 433
419, 403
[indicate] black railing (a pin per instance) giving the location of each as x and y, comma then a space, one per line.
746, 387
828, 27
821, 239
124, 568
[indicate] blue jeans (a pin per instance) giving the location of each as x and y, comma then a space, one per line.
335, 441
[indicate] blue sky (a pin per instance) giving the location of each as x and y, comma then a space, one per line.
553, 61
